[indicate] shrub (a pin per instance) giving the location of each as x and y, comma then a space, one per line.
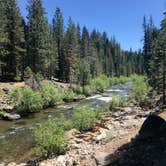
119, 80
51, 95
140, 89
88, 91
68, 94
78, 89
118, 101
26, 100
85, 119
100, 83
50, 137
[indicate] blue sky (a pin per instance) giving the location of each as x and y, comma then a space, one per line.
119, 18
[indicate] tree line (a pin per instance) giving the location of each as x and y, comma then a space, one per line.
69, 53
154, 52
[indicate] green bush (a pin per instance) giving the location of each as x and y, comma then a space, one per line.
88, 91
50, 137
26, 100
85, 119
118, 101
68, 94
119, 80
78, 89
51, 95
140, 89
99, 84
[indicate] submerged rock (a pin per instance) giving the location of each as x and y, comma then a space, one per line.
11, 117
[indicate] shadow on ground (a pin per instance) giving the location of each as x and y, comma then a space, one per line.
148, 148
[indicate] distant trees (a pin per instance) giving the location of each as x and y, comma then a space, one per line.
55, 50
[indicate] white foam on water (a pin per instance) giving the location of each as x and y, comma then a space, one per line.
93, 97
106, 99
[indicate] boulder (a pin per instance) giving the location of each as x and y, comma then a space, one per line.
153, 126
6, 90
11, 117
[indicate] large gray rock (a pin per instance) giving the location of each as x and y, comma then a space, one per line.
153, 126
11, 117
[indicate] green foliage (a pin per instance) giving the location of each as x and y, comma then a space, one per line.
2, 113
85, 119
78, 89
13, 38
2, 92
100, 83
119, 80
140, 89
88, 91
68, 94
50, 137
83, 73
51, 95
28, 73
26, 100
118, 101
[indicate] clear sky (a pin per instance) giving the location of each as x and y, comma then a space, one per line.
119, 18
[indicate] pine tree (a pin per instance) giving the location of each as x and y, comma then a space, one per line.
39, 44
85, 43
158, 62
15, 40
58, 36
3, 34
70, 51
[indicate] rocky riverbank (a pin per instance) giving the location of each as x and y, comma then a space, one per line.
115, 140
93, 148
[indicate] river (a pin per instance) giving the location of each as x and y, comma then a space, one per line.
17, 139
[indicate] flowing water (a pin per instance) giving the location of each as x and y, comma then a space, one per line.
17, 139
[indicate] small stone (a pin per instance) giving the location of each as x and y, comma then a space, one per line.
2, 164
12, 164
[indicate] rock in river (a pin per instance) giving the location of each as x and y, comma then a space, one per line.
11, 117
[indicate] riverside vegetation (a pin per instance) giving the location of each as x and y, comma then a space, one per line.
55, 142
27, 101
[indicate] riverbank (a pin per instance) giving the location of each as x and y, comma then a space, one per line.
97, 147
33, 95
25, 142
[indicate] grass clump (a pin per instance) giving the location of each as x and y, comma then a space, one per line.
26, 100
85, 119
50, 137
118, 101
51, 95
